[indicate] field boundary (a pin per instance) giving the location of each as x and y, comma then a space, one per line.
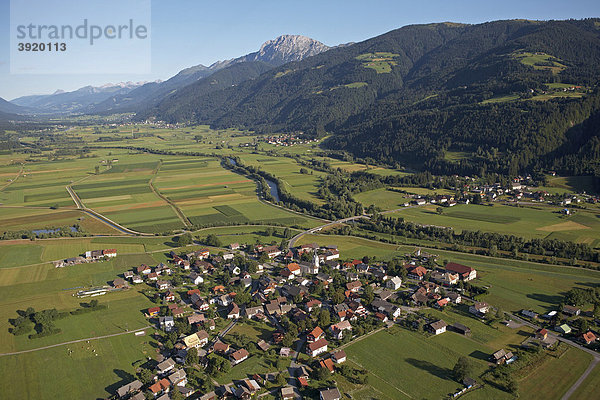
185, 220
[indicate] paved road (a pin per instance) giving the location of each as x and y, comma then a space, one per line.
101, 217
74, 341
589, 369
293, 240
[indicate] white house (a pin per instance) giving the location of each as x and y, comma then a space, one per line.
393, 283
438, 327
318, 347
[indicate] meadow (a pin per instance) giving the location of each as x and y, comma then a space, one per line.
513, 285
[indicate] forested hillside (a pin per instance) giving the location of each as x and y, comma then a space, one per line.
512, 95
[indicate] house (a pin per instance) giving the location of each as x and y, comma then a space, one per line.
571, 310
264, 346
196, 340
119, 283
196, 319
287, 393
202, 254
271, 251
337, 330
327, 364
588, 337
234, 246
393, 283
137, 279
416, 272
128, 275
438, 327
166, 323
131, 387
178, 378
252, 311
234, 269
162, 285
501, 357
456, 298
318, 347
479, 309
465, 273
445, 278
315, 335
529, 314
239, 356
110, 253
153, 276
165, 366
153, 311
143, 270
233, 312
170, 295
177, 312
541, 334
220, 347
354, 287
314, 303
196, 278
339, 356
330, 394
460, 328
162, 386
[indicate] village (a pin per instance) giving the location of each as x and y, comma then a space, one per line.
312, 304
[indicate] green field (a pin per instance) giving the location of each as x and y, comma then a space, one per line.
513, 285
529, 222
589, 387
381, 62
56, 374
410, 359
382, 198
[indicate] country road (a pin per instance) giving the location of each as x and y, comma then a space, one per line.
73, 341
589, 369
294, 239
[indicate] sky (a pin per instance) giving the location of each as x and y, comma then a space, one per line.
191, 32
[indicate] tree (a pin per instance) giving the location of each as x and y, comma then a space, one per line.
368, 294
462, 369
324, 318
280, 379
97, 169
145, 375
185, 239
191, 358
287, 233
440, 210
212, 240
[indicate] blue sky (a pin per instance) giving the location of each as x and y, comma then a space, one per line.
190, 32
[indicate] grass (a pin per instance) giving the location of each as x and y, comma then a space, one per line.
403, 360
540, 61
589, 387
381, 62
382, 198
562, 372
54, 373
527, 221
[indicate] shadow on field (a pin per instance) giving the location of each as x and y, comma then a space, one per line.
546, 298
125, 378
480, 355
440, 372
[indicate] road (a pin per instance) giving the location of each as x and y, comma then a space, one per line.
294, 239
589, 369
223, 333
100, 217
74, 341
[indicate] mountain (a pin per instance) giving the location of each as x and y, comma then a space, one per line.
62, 102
8, 108
509, 94
272, 53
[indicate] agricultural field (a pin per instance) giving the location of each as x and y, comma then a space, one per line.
528, 221
83, 374
381, 62
303, 186
411, 359
540, 61
382, 198
208, 194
